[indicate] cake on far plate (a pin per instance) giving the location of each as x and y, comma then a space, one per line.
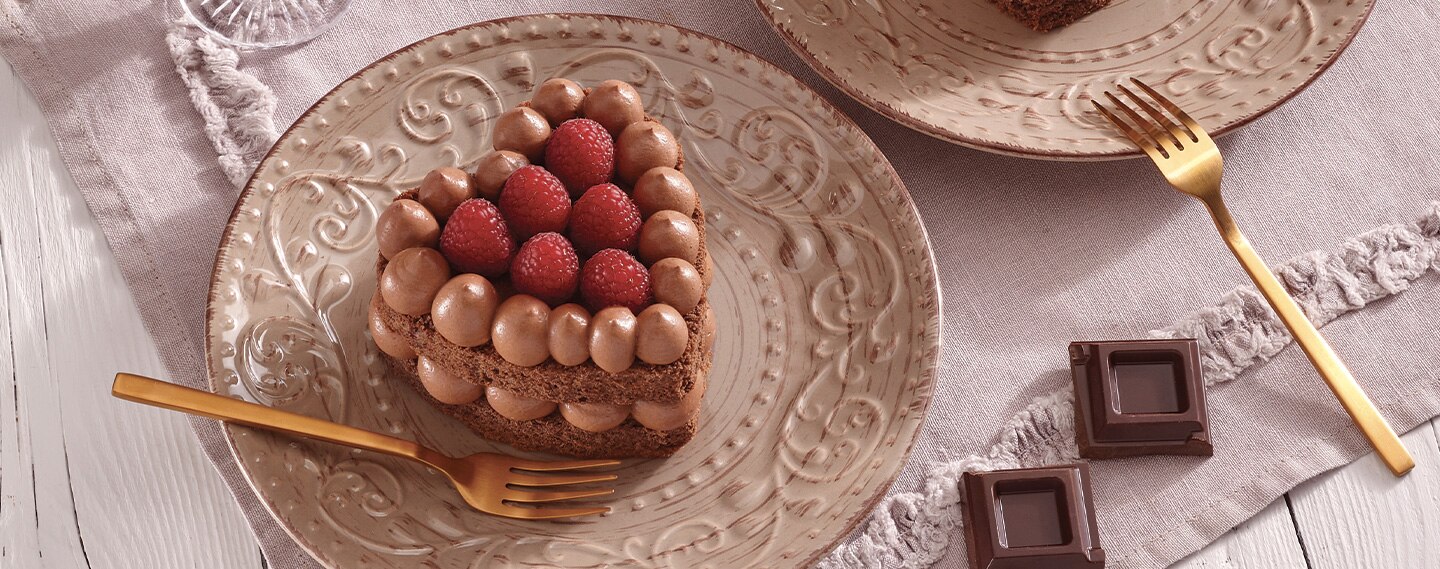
1046, 15
553, 296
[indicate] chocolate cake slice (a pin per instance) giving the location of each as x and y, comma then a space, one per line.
1046, 15
554, 299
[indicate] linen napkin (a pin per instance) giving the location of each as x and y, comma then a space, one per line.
1032, 254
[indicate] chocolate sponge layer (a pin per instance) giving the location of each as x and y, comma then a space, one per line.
552, 433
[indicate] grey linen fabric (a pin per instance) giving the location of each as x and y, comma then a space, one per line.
1032, 254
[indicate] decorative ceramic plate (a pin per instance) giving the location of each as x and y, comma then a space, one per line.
962, 71
826, 295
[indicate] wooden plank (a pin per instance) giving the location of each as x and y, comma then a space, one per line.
1361, 516
1266, 541
19, 525
86, 480
37, 515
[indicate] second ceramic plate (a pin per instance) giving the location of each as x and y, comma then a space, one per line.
963, 71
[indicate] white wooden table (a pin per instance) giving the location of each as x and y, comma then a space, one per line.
90, 481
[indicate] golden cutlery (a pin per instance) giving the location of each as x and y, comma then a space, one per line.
492, 483
1191, 163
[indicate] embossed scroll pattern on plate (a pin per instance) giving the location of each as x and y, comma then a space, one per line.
826, 295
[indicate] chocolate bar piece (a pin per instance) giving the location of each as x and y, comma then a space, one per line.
1139, 397
1031, 517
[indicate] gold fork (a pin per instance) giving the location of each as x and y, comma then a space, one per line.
491, 483
1191, 163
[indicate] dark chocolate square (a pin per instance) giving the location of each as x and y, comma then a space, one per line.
1031, 517
1138, 397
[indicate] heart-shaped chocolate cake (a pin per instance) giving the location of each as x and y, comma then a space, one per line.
553, 297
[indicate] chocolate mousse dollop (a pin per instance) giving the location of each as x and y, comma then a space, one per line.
558, 100
389, 341
412, 279
569, 337
669, 233
594, 417
642, 146
516, 407
493, 169
660, 335
615, 105
444, 189
405, 224
464, 309
612, 339
444, 386
663, 188
667, 416
521, 325
522, 130
677, 283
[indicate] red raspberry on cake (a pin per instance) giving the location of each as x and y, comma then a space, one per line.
476, 239
581, 154
533, 202
615, 278
547, 268
604, 218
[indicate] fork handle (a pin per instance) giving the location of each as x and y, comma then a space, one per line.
166, 395
1387, 444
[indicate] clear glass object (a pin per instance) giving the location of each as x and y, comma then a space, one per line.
264, 23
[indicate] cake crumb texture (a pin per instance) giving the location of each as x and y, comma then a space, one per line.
1046, 15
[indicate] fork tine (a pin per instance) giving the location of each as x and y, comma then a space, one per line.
1196, 131
1177, 136
1140, 140
522, 479
546, 513
544, 466
1161, 139
536, 496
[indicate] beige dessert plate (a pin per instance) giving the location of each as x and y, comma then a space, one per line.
826, 296
962, 71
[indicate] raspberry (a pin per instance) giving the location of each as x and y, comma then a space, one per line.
614, 278
476, 240
582, 154
546, 267
604, 218
534, 201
